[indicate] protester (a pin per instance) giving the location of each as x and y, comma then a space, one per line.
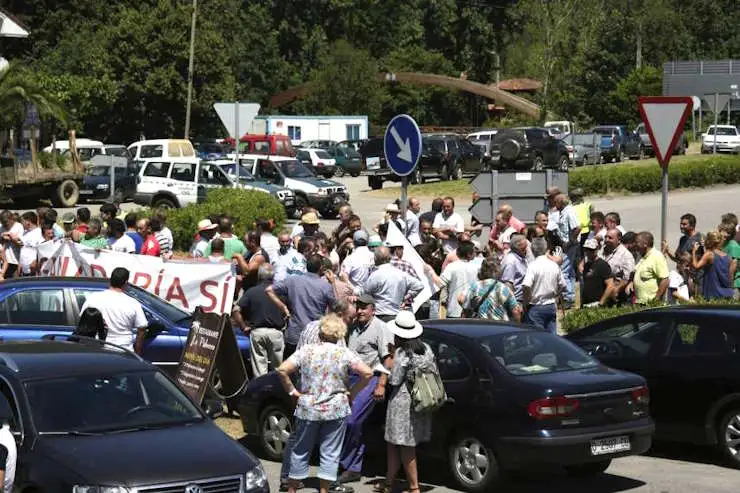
430, 215
718, 267
164, 240
69, 223
501, 232
540, 219
83, 217
91, 324
392, 289
307, 298
412, 221
130, 220
10, 234
357, 266
583, 211
289, 261
268, 241
342, 232
150, 245
250, 263
689, 237
121, 242
107, 212
50, 216
597, 229
629, 240
94, 237
620, 260
448, 224
371, 340
488, 298
542, 284
123, 315
405, 429
232, 244
732, 248
323, 402
650, 281
613, 221
30, 240
346, 246
259, 318
457, 277
309, 225
514, 266
397, 247
206, 232
452, 256
680, 280
8, 447
598, 280
392, 215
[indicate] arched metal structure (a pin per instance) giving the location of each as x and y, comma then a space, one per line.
503, 97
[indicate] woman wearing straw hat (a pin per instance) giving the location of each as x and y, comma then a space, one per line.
404, 428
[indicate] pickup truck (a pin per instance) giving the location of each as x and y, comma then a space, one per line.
728, 139
618, 143
647, 146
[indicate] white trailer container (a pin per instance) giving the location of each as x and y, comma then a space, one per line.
303, 128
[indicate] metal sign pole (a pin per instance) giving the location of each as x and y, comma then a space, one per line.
404, 203
693, 126
664, 207
716, 118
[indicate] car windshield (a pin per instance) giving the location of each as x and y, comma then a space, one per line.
244, 174
95, 403
98, 171
157, 304
294, 169
116, 151
723, 131
556, 128
533, 353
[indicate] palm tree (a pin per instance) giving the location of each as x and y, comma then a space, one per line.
17, 89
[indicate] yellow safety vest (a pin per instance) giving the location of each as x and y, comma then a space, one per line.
583, 212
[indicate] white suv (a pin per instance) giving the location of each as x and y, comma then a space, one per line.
145, 151
728, 139
175, 183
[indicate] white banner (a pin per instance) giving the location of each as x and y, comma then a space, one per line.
410, 255
186, 284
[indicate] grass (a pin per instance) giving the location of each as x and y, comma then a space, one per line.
462, 189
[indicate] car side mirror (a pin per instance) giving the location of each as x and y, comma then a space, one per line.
154, 329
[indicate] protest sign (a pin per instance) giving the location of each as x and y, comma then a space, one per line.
396, 237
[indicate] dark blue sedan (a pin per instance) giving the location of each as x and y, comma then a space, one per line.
518, 396
32, 307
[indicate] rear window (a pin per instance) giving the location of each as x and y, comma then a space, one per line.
534, 353
723, 131
157, 170
150, 151
322, 155
373, 148
604, 131
116, 151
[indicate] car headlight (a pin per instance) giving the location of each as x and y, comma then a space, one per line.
256, 479
99, 489
323, 191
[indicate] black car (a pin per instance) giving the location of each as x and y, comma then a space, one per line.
375, 165
91, 417
96, 183
517, 396
690, 357
446, 157
529, 148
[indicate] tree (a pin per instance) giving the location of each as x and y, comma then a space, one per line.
18, 89
622, 101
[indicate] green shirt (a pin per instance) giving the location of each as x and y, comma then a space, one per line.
733, 250
99, 242
232, 245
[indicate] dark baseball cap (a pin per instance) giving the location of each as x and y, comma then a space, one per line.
365, 299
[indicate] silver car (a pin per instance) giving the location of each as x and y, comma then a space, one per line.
583, 148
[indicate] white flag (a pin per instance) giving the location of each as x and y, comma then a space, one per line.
395, 237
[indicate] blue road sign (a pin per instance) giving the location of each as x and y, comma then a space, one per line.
402, 144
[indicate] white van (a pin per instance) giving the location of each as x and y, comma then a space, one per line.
158, 149
86, 148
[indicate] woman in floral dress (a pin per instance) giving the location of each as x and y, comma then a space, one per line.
323, 401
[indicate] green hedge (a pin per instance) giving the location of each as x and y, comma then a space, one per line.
583, 317
638, 178
243, 206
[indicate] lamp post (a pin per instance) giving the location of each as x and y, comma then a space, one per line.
190, 70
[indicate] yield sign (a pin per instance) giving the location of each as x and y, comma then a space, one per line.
664, 118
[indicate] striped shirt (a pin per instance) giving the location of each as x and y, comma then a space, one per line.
404, 266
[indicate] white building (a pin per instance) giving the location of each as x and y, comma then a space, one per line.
302, 128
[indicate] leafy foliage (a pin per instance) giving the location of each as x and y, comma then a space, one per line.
18, 88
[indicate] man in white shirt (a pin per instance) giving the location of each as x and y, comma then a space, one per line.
412, 221
288, 262
10, 235
542, 284
119, 240
448, 224
457, 277
268, 241
8, 448
358, 264
206, 232
389, 286
30, 240
124, 317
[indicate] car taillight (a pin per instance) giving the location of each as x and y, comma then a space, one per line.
319, 163
570, 148
552, 407
641, 395
614, 140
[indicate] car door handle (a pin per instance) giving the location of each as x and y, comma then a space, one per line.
170, 184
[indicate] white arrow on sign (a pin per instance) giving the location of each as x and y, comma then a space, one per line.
404, 147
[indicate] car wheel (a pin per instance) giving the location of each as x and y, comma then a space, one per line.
417, 178
728, 436
620, 156
642, 155
473, 464
66, 194
563, 163
339, 172
275, 428
457, 172
164, 203
355, 174
538, 164
444, 173
375, 182
588, 469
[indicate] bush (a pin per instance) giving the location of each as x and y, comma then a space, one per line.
635, 178
243, 206
578, 319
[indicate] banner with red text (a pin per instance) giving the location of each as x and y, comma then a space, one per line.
186, 284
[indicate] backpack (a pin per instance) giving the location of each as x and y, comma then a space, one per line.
426, 389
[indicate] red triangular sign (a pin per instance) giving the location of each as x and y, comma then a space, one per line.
664, 118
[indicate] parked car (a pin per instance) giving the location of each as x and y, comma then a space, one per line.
690, 357
617, 143
647, 145
583, 149
97, 182
317, 160
90, 418
528, 148
327, 196
211, 150
241, 175
32, 307
354, 144
144, 151
118, 150
560, 129
728, 139
348, 160
170, 184
482, 135
485, 151
517, 396
446, 156
375, 164
318, 144
86, 148
273, 144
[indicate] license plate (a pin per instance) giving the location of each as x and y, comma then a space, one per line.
289, 202
612, 445
373, 163
86, 192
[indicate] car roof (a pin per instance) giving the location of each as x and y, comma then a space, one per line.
56, 358
159, 141
46, 281
475, 328
724, 310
